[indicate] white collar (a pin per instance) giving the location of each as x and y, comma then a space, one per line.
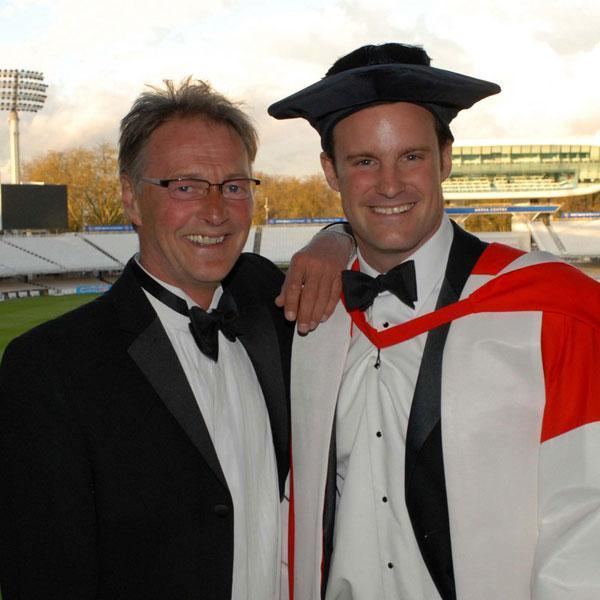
430, 262
168, 313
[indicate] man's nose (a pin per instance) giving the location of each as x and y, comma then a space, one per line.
213, 207
390, 182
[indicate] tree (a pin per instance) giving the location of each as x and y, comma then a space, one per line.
292, 197
91, 177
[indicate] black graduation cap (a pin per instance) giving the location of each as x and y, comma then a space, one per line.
337, 96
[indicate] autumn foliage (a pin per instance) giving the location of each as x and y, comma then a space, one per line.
91, 177
285, 197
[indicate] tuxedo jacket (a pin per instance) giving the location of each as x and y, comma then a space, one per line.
111, 487
502, 479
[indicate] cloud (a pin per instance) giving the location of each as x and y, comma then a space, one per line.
566, 28
97, 57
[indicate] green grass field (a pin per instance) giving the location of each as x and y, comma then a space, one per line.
21, 314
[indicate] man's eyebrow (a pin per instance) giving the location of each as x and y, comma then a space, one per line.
359, 155
412, 149
185, 176
403, 151
191, 175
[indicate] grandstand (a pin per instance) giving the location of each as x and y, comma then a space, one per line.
578, 238
120, 246
31, 265
523, 172
527, 163
16, 261
278, 243
69, 252
544, 239
532, 183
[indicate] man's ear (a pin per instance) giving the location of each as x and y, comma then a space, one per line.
328, 166
446, 160
130, 201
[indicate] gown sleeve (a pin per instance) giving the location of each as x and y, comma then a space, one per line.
567, 559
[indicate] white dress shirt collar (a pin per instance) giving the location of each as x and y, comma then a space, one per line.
171, 316
430, 261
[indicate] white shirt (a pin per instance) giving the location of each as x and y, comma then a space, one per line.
376, 555
234, 410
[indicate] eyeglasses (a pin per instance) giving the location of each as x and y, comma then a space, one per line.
183, 189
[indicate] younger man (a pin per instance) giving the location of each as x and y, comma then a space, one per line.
446, 419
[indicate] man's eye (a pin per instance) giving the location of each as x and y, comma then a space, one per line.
364, 162
234, 188
412, 157
182, 187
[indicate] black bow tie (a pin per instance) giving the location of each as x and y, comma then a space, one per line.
204, 326
361, 289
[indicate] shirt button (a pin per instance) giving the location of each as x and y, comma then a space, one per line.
386, 324
221, 510
384, 499
390, 565
378, 434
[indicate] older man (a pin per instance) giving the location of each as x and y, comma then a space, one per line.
144, 438
446, 419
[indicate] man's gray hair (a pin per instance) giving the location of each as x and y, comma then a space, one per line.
189, 99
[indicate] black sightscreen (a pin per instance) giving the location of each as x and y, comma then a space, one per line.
29, 206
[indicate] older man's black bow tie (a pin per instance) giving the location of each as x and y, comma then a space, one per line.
204, 326
361, 289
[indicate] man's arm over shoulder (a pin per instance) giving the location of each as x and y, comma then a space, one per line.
47, 515
313, 283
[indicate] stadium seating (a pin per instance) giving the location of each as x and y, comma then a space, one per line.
517, 239
249, 246
543, 238
577, 239
502, 183
26, 256
120, 246
16, 261
278, 243
580, 238
68, 252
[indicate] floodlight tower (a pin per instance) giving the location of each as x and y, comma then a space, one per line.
19, 91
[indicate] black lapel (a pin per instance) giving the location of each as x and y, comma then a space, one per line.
425, 487
153, 353
259, 338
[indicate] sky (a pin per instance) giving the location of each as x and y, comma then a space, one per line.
97, 56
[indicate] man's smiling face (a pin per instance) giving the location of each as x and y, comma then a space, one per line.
190, 244
389, 168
